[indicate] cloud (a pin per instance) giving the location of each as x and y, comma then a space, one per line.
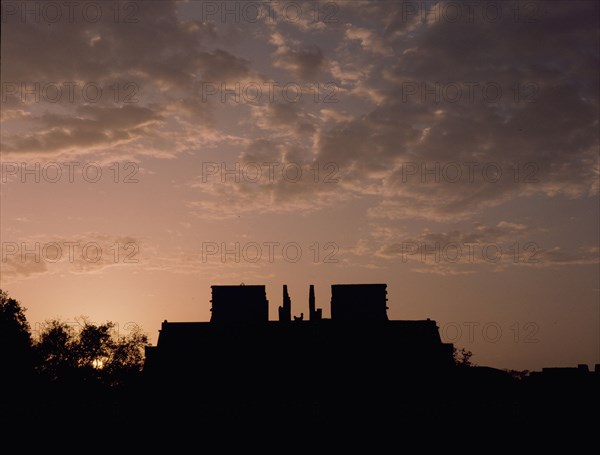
556, 257
73, 87
396, 73
92, 126
279, 194
368, 40
14, 114
303, 62
335, 115
91, 252
267, 177
14, 268
464, 252
419, 120
224, 67
285, 120
158, 45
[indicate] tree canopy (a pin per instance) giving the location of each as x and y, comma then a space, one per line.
95, 352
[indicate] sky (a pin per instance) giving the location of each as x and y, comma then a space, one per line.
152, 149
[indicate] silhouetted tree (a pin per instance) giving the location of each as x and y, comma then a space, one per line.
93, 345
85, 374
55, 351
16, 362
127, 357
92, 348
92, 354
15, 339
462, 357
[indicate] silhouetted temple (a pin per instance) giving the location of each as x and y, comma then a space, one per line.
241, 361
358, 326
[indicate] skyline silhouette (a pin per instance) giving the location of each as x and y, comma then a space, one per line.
242, 373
